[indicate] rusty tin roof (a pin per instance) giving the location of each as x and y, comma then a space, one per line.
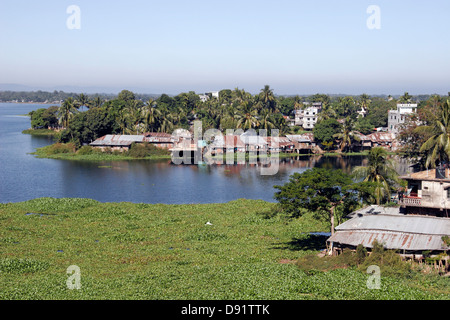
404, 232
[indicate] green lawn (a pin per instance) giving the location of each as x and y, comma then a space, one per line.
143, 251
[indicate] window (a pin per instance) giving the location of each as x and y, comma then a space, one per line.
448, 193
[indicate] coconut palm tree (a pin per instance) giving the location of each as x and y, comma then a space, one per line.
267, 98
364, 101
347, 136
326, 113
66, 111
248, 117
380, 170
437, 147
83, 101
150, 114
97, 102
266, 121
165, 120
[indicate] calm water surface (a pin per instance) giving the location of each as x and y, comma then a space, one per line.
24, 177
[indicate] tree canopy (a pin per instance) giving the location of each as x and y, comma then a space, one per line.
319, 190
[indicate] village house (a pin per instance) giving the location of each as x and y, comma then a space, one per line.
428, 192
226, 144
419, 224
123, 142
303, 143
116, 142
412, 236
397, 117
280, 144
307, 118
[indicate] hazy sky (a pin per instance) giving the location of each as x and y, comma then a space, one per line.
173, 46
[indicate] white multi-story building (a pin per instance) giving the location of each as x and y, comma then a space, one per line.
397, 117
205, 97
307, 118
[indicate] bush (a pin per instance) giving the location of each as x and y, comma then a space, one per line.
142, 150
58, 148
84, 150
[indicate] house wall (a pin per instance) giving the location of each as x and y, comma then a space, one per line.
434, 194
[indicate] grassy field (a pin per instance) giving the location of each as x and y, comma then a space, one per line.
143, 251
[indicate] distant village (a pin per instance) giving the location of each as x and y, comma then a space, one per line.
182, 140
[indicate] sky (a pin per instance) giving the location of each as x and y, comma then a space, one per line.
174, 46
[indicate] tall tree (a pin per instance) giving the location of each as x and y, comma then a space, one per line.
83, 101
150, 115
65, 112
267, 98
347, 136
437, 147
248, 117
319, 190
379, 170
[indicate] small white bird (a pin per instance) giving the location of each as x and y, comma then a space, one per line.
209, 223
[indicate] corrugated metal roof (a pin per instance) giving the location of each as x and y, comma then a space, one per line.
117, 140
409, 232
306, 137
376, 209
381, 136
390, 240
249, 139
402, 223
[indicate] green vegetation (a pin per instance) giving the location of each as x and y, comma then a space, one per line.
320, 190
143, 251
380, 171
129, 113
68, 151
40, 132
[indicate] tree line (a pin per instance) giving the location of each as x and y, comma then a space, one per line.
128, 113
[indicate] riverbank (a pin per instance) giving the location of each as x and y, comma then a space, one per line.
235, 250
67, 151
40, 132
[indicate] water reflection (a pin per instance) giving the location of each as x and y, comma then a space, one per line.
24, 177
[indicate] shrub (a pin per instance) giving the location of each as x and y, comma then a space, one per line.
58, 148
361, 253
84, 150
142, 150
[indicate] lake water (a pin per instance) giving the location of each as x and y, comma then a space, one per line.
24, 177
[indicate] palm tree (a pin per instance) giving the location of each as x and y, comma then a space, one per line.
97, 102
326, 113
66, 111
165, 120
437, 147
380, 170
347, 136
83, 101
266, 121
122, 119
267, 97
150, 114
364, 101
248, 117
